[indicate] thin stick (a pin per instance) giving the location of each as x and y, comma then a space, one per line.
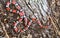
6, 36
55, 28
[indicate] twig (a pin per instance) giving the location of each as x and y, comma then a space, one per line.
55, 28
4, 30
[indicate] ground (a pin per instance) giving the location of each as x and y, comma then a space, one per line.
48, 12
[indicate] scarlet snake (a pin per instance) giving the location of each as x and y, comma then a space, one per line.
17, 9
